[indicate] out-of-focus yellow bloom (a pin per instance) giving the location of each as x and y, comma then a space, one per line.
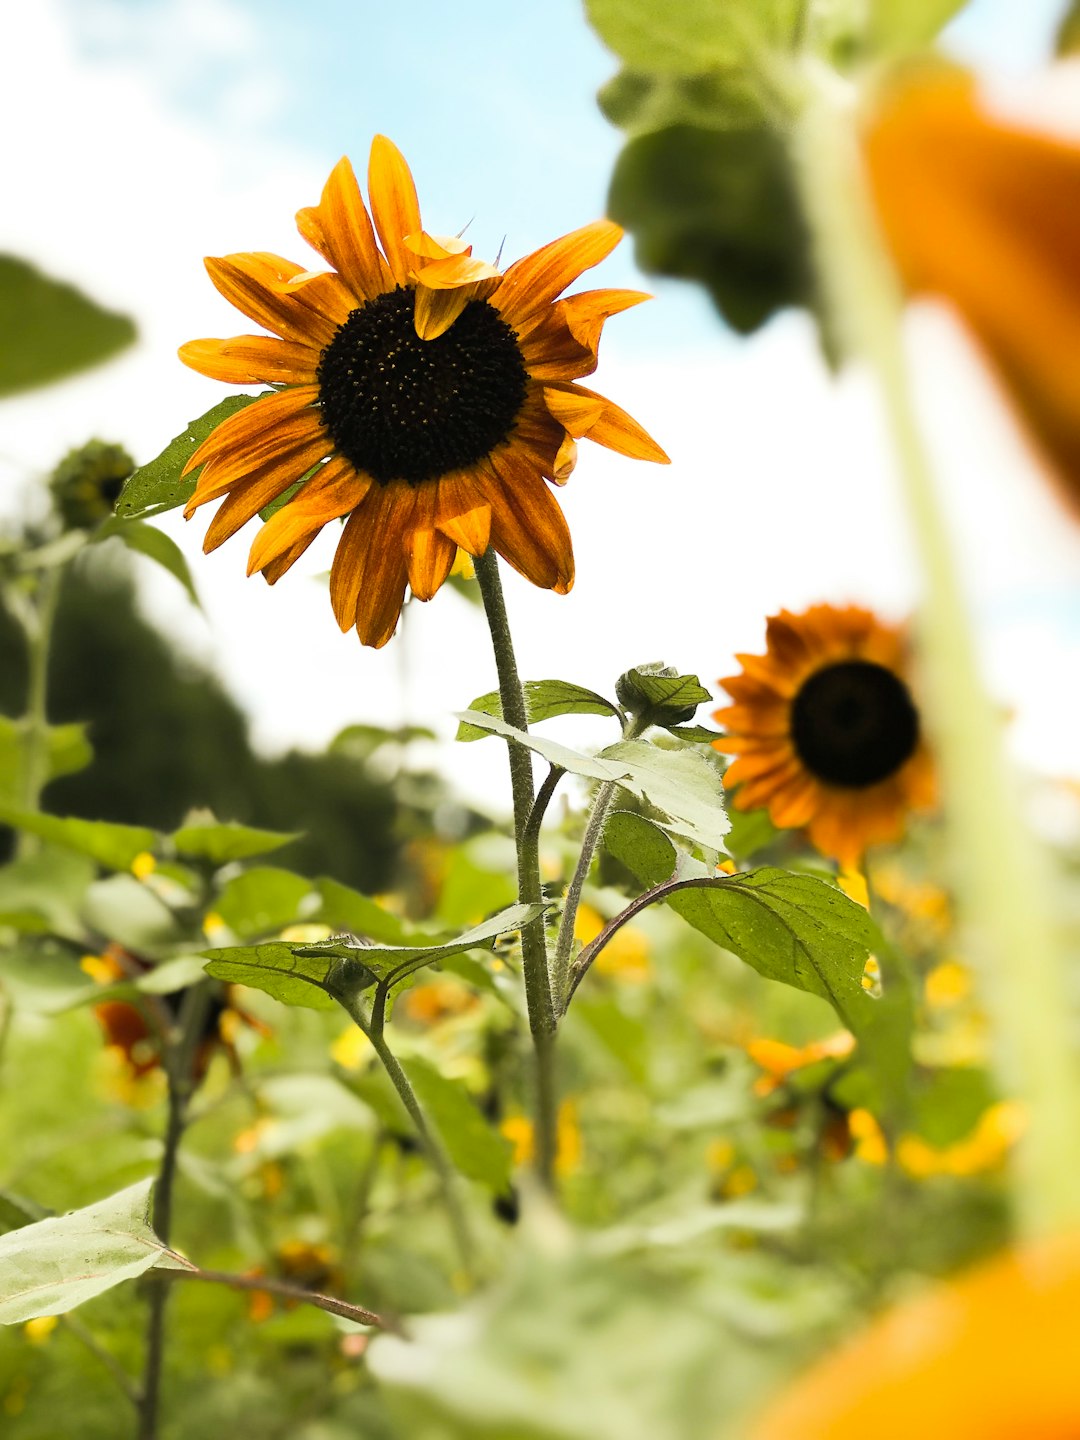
439, 999
986, 214
869, 1142
741, 1181
38, 1331
991, 1356
947, 984
143, 865
569, 1144
779, 1060
626, 954
985, 1149
352, 1049
214, 925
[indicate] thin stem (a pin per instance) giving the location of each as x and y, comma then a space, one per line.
1001, 873
540, 805
288, 1291
538, 994
594, 831
580, 967
36, 753
178, 1059
432, 1148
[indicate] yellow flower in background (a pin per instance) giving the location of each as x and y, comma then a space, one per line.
985, 214
627, 952
779, 1060
569, 1143
825, 730
984, 1150
431, 396
990, 1356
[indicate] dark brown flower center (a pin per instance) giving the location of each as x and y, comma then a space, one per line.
402, 408
854, 724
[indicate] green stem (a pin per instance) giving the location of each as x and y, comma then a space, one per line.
538, 992
178, 1058
36, 754
594, 831
1001, 873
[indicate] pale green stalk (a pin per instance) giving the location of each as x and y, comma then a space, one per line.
1002, 876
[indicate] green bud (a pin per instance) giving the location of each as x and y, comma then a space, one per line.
659, 695
86, 483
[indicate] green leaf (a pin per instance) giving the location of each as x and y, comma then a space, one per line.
898, 26
262, 900
158, 485
131, 913
50, 1267
67, 752
114, 846
641, 846
684, 784
726, 98
659, 695
475, 1148
544, 699
694, 35
718, 207
44, 978
694, 734
218, 843
50, 329
751, 831
316, 975
16, 1211
360, 742
154, 544
44, 891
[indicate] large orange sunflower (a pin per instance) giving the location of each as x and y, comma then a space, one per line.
826, 732
423, 393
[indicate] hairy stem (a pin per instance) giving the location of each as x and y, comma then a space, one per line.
538, 995
1000, 871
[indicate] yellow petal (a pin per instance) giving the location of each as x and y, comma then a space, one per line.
339, 227
334, 491
585, 414
394, 206
430, 556
250, 359
436, 310
534, 281
267, 414
249, 496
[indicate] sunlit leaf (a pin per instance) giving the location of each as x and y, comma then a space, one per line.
50, 329
694, 35
544, 699
725, 98
54, 1265
262, 900
219, 842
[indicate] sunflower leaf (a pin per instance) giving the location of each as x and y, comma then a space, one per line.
159, 485
724, 98
693, 36
155, 545
276, 968
476, 1149
50, 329
67, 751
114, 846
219, 842
544, 700
51, 1266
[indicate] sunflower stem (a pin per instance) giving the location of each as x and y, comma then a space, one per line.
594, 831
36, 754
538, 992
1000, 872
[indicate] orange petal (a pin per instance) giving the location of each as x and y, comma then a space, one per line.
527, 527
254, 422
369, 573
256, 284
535, 280
585, 414
394, 206
249, 496
333, 492
430, 556
223, 471
275, 569
436, 310
248, 359
339, 228
563, 344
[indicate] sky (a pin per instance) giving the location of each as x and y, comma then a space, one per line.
154, 132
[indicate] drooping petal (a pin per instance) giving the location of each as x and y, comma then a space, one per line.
394, 206
532, 282
369, 573
527, 527
429, 555
462, 513
339, 228
563, 343
588, 415
251, 359
249, 495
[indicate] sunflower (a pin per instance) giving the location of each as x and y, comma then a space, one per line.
419, 391
985, 214
826, 732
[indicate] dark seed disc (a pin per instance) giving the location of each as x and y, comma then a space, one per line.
854, 724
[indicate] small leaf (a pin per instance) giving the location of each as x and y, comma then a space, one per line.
694, 35
44, 978
50, 329
52, 1266
694, 734
475, 1148
659, 695
544, 699
725, 98
641, 846
218, 843
158, 486
262, 900
114, 846
346, 909
67, 752
154, 544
